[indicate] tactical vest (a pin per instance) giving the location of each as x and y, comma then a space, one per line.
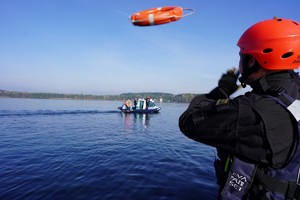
245, 179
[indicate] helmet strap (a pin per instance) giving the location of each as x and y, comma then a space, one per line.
247, 71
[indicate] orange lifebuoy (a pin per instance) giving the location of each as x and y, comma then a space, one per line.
156, 16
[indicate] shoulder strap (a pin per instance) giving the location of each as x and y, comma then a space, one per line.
293, 105
290, 189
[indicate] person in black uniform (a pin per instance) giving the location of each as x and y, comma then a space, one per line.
147, 102
256, 134
134, 103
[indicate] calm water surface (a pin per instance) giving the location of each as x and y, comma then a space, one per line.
67, 149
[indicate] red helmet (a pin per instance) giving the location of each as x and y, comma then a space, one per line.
274, 43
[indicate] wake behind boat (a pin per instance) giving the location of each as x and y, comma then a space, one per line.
140, 106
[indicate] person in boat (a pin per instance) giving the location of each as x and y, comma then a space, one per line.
256, 134
127, 105
134, 103
147, 102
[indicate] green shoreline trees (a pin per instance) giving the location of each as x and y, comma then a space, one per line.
158, 96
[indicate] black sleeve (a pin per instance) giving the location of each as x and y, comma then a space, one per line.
255, 130
212, 122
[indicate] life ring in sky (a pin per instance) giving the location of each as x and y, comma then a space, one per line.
157, 16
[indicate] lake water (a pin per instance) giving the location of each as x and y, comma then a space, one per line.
68, 149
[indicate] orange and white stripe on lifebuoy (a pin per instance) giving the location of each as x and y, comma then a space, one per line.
156, 16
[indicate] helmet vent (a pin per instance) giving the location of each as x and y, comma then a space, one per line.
267, 50
287, 55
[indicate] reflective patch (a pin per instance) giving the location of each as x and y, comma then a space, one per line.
198, 120
294, 108
222, 102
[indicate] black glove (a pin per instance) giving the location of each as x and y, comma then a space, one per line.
228, 81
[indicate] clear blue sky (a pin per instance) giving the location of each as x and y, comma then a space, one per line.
91, 47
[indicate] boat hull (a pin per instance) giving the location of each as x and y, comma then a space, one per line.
147, 111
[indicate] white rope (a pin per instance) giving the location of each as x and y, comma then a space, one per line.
192, 11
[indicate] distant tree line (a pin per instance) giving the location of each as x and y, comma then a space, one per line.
184, 98
157, 96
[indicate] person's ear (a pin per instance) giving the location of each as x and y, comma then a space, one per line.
251, 61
